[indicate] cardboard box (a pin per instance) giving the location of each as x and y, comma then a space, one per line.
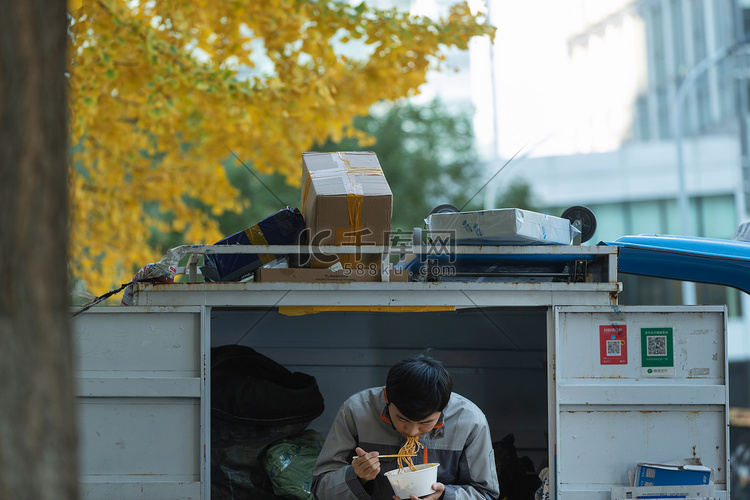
308, 275
503, 226
346, 200
282, 228
655, 474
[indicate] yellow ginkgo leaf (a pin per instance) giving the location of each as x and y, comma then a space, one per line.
158, 96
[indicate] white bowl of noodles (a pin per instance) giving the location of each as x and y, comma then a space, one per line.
417, 482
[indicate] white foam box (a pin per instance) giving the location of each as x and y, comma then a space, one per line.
502, 226
681, 492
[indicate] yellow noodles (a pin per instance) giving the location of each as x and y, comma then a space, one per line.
408, 450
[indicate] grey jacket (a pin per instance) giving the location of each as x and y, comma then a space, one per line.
462, 446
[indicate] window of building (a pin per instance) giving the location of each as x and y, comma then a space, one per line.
647, 290
718, 217
700, 51
661, 83
717, 295
649, 217
711, 216
724, 33
658, 47
672, 220
745, 13
726, 77
642, 122
698, 30
664, 109
678, 40
703, 104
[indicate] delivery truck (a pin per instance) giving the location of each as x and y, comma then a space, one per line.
585, 387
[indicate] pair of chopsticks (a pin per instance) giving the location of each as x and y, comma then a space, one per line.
390, 456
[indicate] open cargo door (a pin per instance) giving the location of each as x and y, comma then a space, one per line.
633, 384
139, 384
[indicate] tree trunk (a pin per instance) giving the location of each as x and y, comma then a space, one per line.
38, 435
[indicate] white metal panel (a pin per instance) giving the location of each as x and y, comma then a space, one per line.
140, 489
139, 384
609, 416
453, 294
140, 436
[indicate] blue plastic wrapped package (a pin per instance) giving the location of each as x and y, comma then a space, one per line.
282, 228
656, 474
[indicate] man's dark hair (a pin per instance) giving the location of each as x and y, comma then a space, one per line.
419, 387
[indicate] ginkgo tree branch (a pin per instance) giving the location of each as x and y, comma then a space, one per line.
142, 100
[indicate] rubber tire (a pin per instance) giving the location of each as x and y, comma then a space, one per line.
587, 218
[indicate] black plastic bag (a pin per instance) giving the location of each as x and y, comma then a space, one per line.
255, 401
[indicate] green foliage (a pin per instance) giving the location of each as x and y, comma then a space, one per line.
517, 194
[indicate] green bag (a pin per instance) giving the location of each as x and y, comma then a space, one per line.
290, 462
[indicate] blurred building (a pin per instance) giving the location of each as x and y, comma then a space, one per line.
586, 99
583, 96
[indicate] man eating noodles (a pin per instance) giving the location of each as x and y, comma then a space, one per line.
416, 402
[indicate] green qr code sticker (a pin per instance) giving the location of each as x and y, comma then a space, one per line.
657, 347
